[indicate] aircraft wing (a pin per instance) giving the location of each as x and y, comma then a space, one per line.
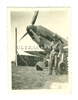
43, 53
37, 53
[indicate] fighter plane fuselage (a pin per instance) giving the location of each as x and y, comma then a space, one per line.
43, 37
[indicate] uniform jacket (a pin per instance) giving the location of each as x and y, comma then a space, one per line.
56, 48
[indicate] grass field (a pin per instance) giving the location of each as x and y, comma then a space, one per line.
28, 78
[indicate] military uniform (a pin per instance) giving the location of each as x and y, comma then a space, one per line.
55, 54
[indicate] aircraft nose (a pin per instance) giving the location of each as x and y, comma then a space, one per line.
34, 28
28, 28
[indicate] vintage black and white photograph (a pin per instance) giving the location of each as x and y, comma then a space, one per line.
39, 45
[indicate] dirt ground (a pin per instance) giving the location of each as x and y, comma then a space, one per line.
26, 77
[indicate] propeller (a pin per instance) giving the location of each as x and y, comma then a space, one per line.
33, 22
23, 36
34, 17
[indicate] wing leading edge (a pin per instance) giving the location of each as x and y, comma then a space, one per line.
37, 53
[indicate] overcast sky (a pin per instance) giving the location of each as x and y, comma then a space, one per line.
55, 20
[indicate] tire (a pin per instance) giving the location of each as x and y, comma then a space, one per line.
62, 68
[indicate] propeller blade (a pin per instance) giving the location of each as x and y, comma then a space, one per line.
34, 17
23, 36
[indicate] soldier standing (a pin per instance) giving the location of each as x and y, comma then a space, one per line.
55, 54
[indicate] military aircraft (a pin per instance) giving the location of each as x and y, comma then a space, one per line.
43, 37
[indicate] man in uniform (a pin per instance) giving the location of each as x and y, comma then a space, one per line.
55, 54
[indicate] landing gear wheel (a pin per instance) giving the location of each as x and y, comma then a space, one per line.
62, 67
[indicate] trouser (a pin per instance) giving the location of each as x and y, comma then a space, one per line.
52, 63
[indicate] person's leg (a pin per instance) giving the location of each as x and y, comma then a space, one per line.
50, 64
56, 64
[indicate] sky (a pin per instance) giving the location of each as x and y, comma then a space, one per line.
57, 21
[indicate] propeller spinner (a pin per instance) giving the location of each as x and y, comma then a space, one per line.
31, 27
